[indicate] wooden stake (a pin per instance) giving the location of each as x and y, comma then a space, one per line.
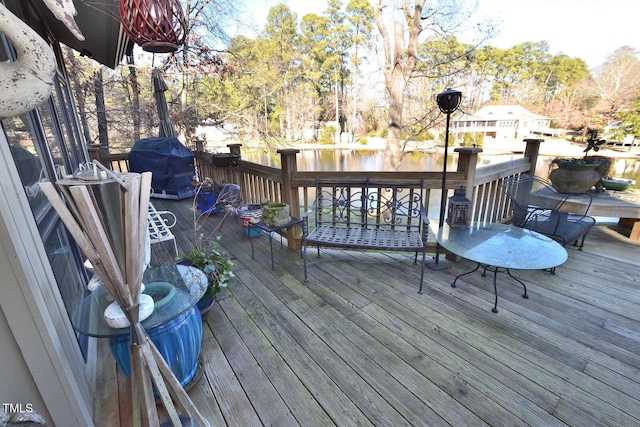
72, 225
161, 386
131, 239
174, 385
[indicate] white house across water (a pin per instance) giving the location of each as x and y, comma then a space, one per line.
503, 122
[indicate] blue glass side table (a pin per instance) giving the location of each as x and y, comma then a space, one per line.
175, 328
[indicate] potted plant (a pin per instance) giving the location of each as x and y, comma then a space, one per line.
206, 194
207, 254
275, 214
215, 264
581, 174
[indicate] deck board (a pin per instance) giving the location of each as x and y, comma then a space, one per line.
357, 345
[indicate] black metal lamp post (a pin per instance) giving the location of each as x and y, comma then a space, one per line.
448, 102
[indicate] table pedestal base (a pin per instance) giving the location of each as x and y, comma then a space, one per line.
495, 284
178, 341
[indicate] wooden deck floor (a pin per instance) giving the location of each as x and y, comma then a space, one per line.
357, 345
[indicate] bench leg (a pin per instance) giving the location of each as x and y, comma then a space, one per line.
175, 246
422, 264
304, 258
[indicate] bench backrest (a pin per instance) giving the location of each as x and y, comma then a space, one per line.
369, 204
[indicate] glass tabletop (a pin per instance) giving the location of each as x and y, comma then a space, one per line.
190, 284
503, 246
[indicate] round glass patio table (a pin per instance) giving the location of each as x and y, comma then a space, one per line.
175, 328
501, 247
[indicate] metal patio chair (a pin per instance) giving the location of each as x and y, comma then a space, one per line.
229, 198
538, 206
159, 226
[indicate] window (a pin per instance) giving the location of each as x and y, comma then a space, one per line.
44, 142
28, 160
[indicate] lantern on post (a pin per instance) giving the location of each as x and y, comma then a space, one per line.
158, 26
458, 209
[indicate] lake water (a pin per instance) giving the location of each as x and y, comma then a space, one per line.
370, 160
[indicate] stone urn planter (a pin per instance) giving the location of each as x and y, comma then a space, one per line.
275, 214
575, 178
581, 174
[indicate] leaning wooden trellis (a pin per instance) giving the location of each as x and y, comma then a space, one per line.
113, 237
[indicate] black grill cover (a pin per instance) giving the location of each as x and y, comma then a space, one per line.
170, 162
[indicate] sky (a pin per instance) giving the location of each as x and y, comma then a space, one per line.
586, 29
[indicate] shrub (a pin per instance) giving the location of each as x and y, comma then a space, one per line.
327, 134
421, 134
467, 139
452, 138
479, 139
472, 139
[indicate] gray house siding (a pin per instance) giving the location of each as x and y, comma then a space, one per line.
36, 317
44, 363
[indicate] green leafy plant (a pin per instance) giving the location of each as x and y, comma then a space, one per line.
214, 263
207, 254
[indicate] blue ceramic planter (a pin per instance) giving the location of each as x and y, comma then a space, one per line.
178, 341
206, 201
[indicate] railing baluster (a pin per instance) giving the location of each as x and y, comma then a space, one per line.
288, 185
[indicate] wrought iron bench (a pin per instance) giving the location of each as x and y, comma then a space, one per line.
367, 215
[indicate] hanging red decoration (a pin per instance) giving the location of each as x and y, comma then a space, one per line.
156, 25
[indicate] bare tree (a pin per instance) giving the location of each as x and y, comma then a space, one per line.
618, 82
409, 20
101, 111
207, 24
75, 71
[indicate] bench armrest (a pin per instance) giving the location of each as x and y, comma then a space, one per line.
425, 224
305, 224
167, 217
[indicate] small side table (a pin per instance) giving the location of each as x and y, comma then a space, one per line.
175, 329
271, 230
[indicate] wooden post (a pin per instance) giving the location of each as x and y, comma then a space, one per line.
236, 172
290, 194
531, 151
94, 153
199, 145
234, 148
467, 161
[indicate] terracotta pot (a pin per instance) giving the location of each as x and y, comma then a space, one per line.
575, 179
